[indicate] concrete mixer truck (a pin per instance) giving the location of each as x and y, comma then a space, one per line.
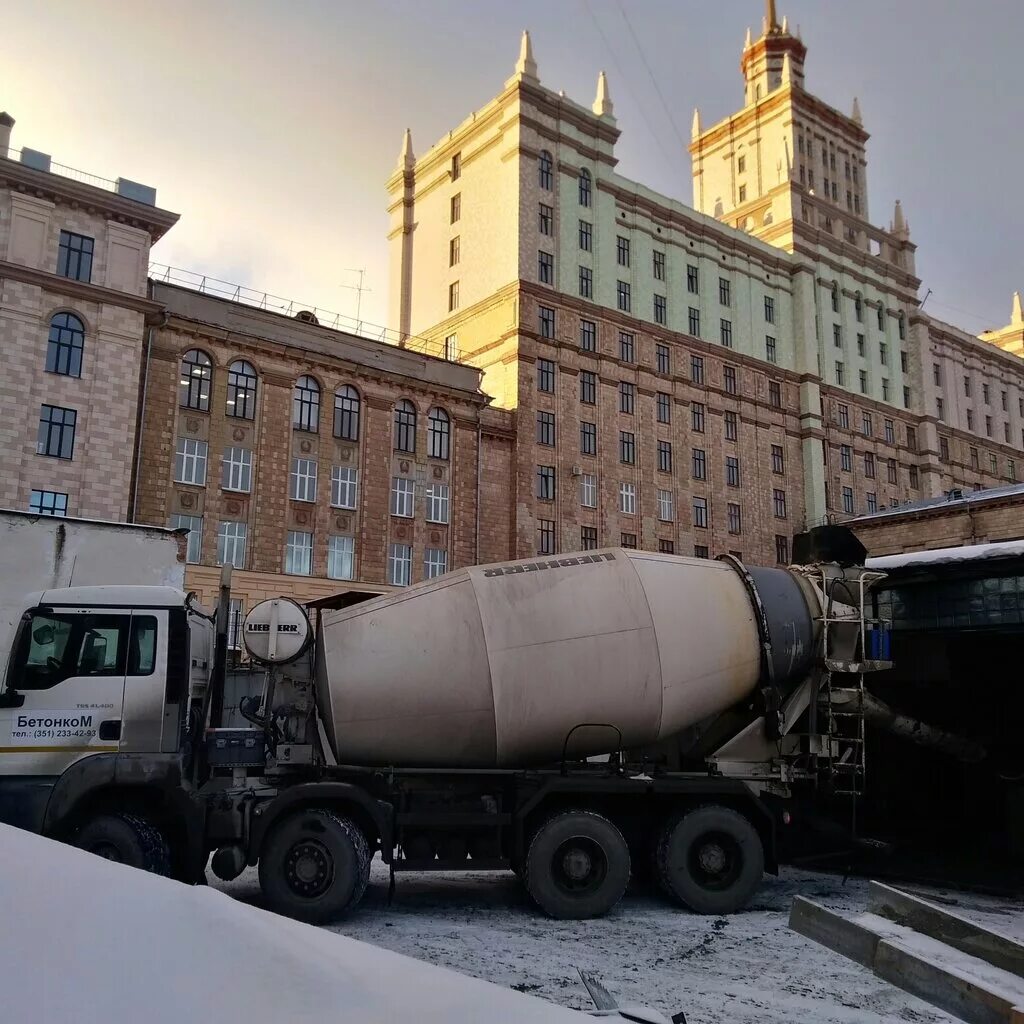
576, 720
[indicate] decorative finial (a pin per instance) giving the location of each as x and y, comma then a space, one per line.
855, 113
787, 70
747, 43
771, 20
406, 158
526, 66
900, 227
785, 25
603, 100
1017, 316
695, 131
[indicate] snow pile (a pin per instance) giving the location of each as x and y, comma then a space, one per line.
946, 556
91, 942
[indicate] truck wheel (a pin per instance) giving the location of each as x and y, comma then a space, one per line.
126, 839
710, 859
577, 865
314, 866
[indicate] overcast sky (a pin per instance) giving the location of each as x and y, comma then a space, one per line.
271, 127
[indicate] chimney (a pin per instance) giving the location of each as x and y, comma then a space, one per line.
6, 124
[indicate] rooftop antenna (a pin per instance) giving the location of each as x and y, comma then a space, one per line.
925, 299
358, 289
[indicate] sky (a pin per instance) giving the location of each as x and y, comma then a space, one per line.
272, 126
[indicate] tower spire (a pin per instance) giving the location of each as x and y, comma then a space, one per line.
855, 115
526, 65
695, 130
406, 158
1017, 316
603, 100
771, 19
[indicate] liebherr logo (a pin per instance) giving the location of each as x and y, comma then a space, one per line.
554, 563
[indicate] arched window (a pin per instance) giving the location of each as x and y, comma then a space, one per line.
858, 307
439, 430
241, 390
346, 413
306, 404
835, 287
64, 347
544, 165
901, 320
194, 381
584, 187
405, 426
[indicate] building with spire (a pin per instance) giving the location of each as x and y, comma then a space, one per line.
703, 378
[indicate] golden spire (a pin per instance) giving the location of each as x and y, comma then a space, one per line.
771, 18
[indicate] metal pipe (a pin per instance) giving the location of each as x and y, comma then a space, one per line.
141, 419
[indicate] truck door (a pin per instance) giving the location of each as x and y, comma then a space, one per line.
63, 700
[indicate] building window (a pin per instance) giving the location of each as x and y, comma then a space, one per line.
344, 486
901, 322
988, 426
694, 321
588, 490
865, 424
586, 235
769, 309
863, 382
835, 298
729, 378
453, 296
545, 375
844, 416
662, 358
627, 447
993, 463
456, 167
439, 431
454, 251
546, 318
692, 279
724, 291
588, 438
730, 421
405, 426
697, 369
858, 308
881, 318
743, 193
664, 456
231, 544
837, 335
860, 345
775, 394
588, 387
1011, 469
190, 462
584, 183
915, 481
779, 503
1002, 400
944, 449
627, 347
1006, 432
769, 349
546, 428
298, 553
399, 565
586, 283
456, 208
546, 483
236, 469
64, 346
664, 406
438, 503
781, 549
869, 465
588, 336
545, 267
700, 464
839, 374
891, 471
732, 471
588, 538
848, 500
194, 541
660, 309
194, 381
845, 458
658, 260
544, 166
700, 513
666, 547
733, 518
697, 417
726, 329
970, 419
545, 537
872, 501
624, 296
622, 251
303, 480
940, 409
306, 404
701, 551
778, 459
912, 438
403, 495
74, 256
435, 563
627, 499
885, 389
666, 506
346, 413
241, 400
48, 503
341, 558
545, 219
626, 397
627, 540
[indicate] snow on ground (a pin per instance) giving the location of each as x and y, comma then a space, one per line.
748, 968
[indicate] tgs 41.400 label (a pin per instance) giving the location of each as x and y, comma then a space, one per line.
54, 726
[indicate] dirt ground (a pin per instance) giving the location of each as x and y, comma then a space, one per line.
741, 969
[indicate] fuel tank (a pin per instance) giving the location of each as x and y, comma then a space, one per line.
516, 664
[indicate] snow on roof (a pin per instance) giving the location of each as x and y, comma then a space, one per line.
957, 496
95, 942
948, 556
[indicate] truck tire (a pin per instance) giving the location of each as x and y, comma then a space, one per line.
126, 839
577, 865
710, 859
314, 866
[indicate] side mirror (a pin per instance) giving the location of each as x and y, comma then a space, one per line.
11, 699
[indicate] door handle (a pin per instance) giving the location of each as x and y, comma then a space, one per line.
110, 729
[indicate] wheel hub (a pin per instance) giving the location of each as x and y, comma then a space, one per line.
309, 868
713, 858
577, 864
